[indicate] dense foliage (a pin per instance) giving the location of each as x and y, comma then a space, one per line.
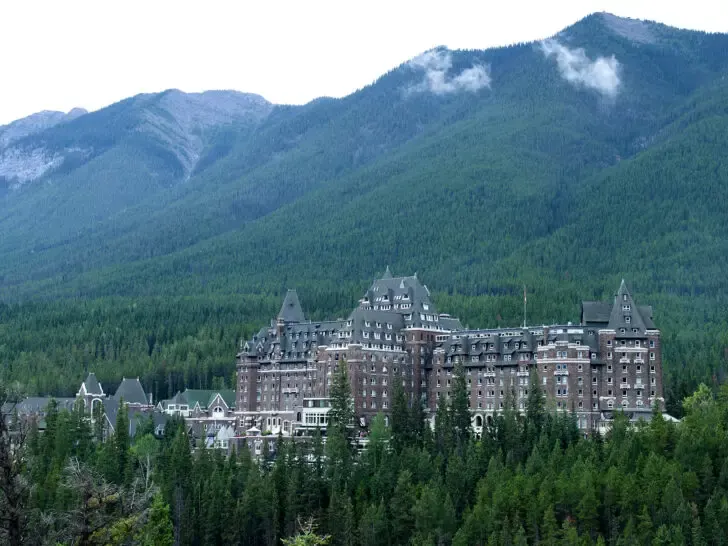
530, 479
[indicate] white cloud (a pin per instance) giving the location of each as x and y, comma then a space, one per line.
436, 64
602, 75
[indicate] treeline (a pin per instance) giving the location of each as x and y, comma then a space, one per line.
528, 479
190, 342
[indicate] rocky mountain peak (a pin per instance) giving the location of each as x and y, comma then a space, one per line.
35, 123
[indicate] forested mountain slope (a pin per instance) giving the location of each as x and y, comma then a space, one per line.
564, 165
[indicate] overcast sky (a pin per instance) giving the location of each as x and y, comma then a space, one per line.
60, 54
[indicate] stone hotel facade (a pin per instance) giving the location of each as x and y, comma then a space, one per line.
610, 361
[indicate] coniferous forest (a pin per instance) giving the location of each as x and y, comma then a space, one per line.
530, 478
154, 248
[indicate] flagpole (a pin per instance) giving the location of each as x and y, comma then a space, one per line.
524, 305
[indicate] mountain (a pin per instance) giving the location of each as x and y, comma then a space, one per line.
20, 166
579, 159
35, 123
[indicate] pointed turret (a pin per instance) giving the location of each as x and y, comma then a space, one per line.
92, 386
387, 274
291, 309
625, 314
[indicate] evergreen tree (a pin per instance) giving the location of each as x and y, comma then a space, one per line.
460, 409
400, 508
535, 407
401, 422
339, 450
121, 444
158, 530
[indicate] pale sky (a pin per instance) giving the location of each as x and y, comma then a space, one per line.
60, 54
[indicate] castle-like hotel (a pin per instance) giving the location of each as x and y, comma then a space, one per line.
610, 361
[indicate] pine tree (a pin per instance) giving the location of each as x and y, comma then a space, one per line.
373, 526
535, 407
341, 519
121, 443
158, 531
401, 420
339, 450
460, 409
400, 508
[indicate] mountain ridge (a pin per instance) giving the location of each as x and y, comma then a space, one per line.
540, 123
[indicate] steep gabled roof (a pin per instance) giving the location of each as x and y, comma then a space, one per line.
625, 314
92, 385
227, 395
291, 310
132, 392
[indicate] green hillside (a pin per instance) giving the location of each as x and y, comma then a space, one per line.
551, 176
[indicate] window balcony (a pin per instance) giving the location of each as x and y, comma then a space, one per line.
625, 386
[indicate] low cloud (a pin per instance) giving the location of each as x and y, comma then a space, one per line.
436, 65
602, 75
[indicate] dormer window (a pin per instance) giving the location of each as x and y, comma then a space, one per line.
622, 331
627, 319
626, 307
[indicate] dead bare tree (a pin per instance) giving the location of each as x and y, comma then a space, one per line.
103, 510
14, 488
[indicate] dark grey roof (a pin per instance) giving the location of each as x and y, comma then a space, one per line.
291, 310
450, 323
111, 409
38, 404
646, 312
595, 312
511, 341
132, 392
373, 322
387, 274
92, 385
625, 314
296, 341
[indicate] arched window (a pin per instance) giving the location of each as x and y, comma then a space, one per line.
478, 421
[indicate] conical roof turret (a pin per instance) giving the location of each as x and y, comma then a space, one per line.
625, 314
291, 310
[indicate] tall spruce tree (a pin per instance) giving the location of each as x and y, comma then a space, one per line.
460, 409
401, 423
339, 449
